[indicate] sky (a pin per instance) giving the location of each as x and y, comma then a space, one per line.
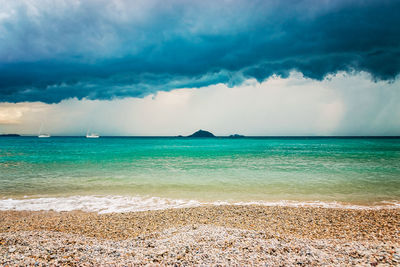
119, 67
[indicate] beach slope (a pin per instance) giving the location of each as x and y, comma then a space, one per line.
211, 235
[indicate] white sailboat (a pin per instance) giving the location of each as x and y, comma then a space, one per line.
91, 135
43, 135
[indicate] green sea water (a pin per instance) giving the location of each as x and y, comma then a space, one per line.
362, 171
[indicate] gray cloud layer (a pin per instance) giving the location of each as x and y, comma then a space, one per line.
53, 50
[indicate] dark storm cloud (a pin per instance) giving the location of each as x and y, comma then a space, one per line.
53, 50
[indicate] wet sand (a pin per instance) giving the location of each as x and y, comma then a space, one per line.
212, 235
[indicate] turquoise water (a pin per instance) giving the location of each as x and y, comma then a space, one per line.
357, 171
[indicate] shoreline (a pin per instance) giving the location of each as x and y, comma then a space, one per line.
120, 203
309, 235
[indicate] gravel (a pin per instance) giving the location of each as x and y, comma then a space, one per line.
215, 235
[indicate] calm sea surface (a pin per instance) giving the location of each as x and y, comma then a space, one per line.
354, 171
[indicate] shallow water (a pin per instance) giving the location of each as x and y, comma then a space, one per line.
355, 171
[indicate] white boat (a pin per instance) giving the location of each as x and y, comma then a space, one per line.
42, 135
91, 135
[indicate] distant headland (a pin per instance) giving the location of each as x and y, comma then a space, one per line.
9, 135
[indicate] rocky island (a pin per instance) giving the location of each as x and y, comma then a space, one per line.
202, 133
236, 136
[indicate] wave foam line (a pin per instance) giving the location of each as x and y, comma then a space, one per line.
109, 204
317, 204
98, 204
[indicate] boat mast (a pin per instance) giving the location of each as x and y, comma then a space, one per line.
41, 128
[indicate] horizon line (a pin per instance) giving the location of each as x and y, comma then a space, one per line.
216, 136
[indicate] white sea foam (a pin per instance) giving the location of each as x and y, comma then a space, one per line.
100, 204
108, 204
318, 204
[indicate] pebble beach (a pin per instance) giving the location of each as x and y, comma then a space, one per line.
209, 235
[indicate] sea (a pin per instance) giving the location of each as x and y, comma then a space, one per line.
123, 174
